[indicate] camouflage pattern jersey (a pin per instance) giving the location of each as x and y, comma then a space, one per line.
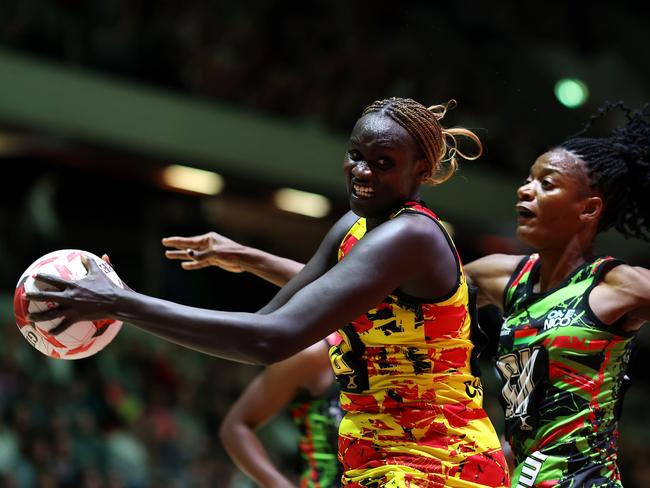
563, 377
317, 420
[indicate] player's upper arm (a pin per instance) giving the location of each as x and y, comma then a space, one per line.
631, 288
386, 258
490, 275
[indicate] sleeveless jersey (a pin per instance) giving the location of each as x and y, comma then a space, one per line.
563, 373
317, 420
414, 415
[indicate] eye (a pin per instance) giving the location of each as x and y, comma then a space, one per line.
527, 180
547, 184
354, 155
383, 163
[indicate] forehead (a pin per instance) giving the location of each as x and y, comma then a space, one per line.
559, 161
379, 129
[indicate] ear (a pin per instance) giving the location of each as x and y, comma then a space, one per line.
422, 169
592, 209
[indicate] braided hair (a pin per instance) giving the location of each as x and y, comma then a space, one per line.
437, 144
618, 167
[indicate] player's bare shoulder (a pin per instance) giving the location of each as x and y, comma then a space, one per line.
632, 282
623, 292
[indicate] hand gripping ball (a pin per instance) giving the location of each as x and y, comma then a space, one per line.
81, 339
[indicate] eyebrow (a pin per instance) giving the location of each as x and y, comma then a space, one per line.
546, 171
385, 142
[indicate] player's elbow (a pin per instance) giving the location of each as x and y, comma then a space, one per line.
227, 432
276, 339
272, 351
278, 346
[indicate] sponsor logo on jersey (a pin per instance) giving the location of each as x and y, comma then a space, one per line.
559, 318
521, 373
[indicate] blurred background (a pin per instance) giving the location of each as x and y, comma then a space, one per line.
108, 109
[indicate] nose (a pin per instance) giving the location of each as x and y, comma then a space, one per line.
361, 170
525, 192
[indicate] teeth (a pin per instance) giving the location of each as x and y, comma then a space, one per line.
363, 191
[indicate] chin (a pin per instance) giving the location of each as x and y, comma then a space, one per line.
357, 206
362, 209
364, 212
527, 236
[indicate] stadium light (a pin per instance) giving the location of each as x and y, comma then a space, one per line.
571, 92
301, 202
192, 179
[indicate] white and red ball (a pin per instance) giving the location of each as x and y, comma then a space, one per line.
81, 339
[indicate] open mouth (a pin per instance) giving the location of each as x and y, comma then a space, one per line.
524, 212
362, 191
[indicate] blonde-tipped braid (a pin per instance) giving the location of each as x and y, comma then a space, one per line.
438, 144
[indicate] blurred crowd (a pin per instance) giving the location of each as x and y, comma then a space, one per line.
321, 62
139, 414
270, 57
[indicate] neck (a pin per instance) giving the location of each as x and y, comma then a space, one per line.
372, 222
557, 263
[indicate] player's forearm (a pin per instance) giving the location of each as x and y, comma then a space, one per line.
247, 452
270, 267
237, 336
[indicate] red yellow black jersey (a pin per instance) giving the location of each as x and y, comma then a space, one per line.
413, 408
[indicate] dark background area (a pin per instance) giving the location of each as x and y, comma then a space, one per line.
316, 64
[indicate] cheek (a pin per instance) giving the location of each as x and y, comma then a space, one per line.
561, 215
399, 183
412, 182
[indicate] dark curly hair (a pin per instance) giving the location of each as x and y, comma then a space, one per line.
618, 167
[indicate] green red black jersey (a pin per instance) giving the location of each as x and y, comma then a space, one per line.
563, 377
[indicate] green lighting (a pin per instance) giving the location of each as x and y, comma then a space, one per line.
571, 92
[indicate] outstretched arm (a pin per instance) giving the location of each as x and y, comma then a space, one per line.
385, 259
267, 395
213, 249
